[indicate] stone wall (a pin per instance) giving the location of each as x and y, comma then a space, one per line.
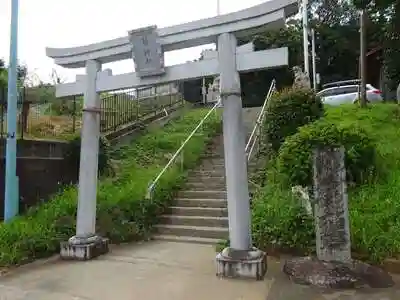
41, 171
36, 148
39, 178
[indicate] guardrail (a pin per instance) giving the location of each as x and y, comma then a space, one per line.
178, 153
256, 133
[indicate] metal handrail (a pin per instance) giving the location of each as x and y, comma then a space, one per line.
254, 136
173, 158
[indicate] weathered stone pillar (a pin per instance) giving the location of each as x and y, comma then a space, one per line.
333, 266
398, 94
331, 209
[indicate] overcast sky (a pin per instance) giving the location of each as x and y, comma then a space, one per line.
57, 23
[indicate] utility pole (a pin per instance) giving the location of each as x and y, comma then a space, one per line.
11, 201
314, 63
218, 7
305, 39
363, 51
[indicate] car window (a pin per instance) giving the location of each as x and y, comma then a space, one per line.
326, 93
347, 89
339, 91
370, 87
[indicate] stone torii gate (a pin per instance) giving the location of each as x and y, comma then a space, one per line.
147, 47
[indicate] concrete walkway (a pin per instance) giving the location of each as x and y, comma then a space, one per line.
159, 270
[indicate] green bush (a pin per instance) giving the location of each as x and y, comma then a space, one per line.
294, 159
123, 213
279, 222
72, 154
287, 111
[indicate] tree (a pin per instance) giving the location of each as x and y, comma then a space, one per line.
22, 72
387, 15
336, 23
3, 74
332, 12
337, 47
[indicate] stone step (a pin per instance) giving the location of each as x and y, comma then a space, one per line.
219, 170
201, 221
186, 239
213, 155
210, 183
209, 163
198, 211
207, 194
212, 203
203, 186
217, 161
212, 173
193, 231
205, 176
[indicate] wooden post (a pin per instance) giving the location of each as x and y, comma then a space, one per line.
331, 208
363, 57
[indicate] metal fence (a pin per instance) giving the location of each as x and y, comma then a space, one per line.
124, 107
41, 115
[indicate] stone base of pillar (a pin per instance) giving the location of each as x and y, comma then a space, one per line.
83, 248
233, 263
337, 275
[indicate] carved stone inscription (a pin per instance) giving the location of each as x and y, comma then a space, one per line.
147, 53
331, 208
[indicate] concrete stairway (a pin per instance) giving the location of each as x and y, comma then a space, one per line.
199, 213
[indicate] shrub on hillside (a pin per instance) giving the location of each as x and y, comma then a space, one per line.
294, 159
287, 111
123, 213
72, 154
279, 222
278, 219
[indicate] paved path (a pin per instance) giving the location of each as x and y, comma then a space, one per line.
158, 270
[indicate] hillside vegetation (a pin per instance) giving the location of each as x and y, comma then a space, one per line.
371, 140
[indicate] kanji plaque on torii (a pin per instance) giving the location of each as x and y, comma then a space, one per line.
147, 52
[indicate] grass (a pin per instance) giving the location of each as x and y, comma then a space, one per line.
123, 213
279, 221
375, 208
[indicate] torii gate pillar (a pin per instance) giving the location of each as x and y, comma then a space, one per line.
240, 259
86, 244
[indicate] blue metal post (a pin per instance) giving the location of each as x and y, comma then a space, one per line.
11, 185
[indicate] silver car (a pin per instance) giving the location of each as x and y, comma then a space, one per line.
348, 93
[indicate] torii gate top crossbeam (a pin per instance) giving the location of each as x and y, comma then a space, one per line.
271, 14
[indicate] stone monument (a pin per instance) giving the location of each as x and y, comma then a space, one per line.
301, 80
333, 267
213, 91
398, 94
